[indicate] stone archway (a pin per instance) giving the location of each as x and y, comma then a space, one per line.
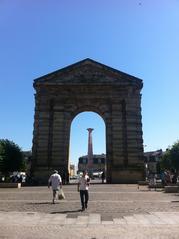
88, 86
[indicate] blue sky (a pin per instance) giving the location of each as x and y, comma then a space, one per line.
140, 38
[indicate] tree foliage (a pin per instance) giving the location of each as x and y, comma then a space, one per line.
170, 158
11, 156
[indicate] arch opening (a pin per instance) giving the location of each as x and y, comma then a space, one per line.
84, 154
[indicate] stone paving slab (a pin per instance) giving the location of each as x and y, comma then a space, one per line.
142, 219
38, 225
114, 211
108, 200
34, 218
100, 232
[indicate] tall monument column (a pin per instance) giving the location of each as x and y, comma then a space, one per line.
90, 150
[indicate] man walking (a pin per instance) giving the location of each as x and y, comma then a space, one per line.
55, 182
83, 186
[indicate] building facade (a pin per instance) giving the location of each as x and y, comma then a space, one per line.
97, 165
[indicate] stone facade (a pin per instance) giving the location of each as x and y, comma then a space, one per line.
98, 163
88, 86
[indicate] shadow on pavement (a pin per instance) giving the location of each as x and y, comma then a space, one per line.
67, 211
40, 203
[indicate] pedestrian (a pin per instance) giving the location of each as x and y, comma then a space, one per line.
55, 182
162, 176
167, 177
83, 186
64, 177
103, 176
173, 176
152, 181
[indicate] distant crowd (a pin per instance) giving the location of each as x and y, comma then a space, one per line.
167, 177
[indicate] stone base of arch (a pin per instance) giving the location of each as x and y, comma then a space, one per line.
130, 174
41, 175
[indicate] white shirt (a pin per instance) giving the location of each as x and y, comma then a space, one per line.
55, 180
83, 184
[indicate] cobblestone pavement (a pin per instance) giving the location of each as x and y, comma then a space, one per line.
115, 211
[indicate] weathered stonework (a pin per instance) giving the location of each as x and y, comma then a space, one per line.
88, 86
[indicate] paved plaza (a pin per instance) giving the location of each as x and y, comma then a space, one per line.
114, 211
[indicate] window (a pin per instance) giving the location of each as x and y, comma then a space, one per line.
83, 160
95, 161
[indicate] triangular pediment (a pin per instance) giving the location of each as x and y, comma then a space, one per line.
88, 72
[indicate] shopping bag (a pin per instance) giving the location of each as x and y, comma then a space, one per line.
61, 194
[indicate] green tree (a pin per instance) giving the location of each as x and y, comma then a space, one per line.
11, 156
170, 158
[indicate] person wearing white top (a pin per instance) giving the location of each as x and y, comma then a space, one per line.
83, 186
55, 182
